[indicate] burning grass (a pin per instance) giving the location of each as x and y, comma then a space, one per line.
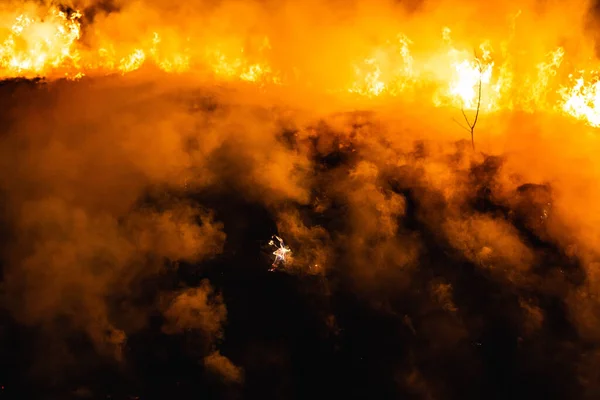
247, 221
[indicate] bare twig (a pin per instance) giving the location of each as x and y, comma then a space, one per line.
461, 125
470, 127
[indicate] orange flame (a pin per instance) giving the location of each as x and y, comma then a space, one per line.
34, 46
49, 46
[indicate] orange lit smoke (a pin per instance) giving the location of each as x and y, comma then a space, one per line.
47, 42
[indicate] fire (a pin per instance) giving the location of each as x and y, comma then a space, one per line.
34, 46
393, 70
582, 99
133, 61
236, 67
49, 44
389, 69
469, 75
281, 253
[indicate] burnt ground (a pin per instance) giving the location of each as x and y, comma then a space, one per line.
300, 336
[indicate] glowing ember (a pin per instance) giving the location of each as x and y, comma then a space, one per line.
282, 253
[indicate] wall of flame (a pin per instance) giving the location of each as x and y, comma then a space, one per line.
47, 42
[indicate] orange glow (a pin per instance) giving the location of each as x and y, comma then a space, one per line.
582, 99
401, 156
48, 43
37, 46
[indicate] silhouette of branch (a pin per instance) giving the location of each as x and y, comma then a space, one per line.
470, 127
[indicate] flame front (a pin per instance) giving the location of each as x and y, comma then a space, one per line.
38, 46
582, 99
49, 44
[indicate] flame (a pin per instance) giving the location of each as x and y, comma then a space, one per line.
281, 253
395, 58
49, 44
582, 99
465, 86
236, 67
468, 76
35, 45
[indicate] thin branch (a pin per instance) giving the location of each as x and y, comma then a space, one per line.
461, 125
477, 112
471, 125
465, 116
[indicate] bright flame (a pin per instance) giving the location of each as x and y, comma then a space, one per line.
397, 62
282, 252
465, 85
49, 46
582, 100
35, 45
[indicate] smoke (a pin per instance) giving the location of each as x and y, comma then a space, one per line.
223, 367
193, 309
136, 212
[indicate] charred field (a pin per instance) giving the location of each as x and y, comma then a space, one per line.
136, 222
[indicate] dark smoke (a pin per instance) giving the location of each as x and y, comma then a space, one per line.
135, 218
593, 24
134, 257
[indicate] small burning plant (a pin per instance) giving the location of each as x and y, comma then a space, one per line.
282, 253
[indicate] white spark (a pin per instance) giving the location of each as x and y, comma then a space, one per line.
281, 253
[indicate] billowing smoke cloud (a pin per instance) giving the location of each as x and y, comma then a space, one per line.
223, 367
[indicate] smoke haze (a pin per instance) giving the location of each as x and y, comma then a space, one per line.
137, 211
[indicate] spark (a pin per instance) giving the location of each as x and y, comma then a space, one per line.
282, 252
